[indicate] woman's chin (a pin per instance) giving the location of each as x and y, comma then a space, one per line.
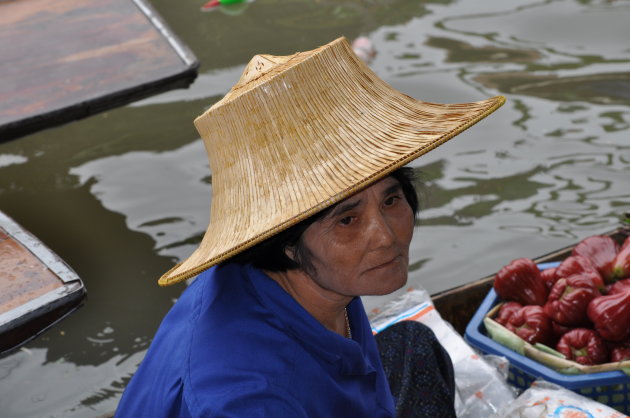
389, 285
387, 280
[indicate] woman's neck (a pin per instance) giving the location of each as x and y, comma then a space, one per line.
325, 306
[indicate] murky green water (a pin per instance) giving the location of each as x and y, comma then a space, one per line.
123, 195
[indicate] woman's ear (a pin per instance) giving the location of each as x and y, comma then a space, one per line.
289, 251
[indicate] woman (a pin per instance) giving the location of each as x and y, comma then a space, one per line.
310, 211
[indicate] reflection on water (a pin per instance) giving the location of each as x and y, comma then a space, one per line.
605, 89
9, 159
123, 195
56, 384
137, 183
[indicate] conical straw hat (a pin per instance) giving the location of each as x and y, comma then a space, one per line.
299, 133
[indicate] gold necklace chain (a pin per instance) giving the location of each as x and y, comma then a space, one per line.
348, 331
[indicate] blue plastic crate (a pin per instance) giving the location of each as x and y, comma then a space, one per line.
609, 388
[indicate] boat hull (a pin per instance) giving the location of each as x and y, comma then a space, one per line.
37, 288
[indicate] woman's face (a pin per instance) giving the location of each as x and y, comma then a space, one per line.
361, 247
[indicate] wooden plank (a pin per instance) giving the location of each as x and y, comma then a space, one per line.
37, 288
69, 59
23, 277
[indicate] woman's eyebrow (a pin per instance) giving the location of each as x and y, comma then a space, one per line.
343, 207
392, 189
348, 206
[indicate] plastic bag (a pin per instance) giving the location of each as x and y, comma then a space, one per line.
480, 384
545, 399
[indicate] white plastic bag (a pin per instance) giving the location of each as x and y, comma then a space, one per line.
545, 399
481, 387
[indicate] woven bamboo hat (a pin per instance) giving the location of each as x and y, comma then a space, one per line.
299, 133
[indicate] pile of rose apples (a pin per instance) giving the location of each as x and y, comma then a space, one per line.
581, 308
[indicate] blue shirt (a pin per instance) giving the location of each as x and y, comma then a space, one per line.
237, 345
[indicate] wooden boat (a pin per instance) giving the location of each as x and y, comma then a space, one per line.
70, 59
458, 305
37, 288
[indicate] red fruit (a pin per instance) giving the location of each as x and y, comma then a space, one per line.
559, 330
532, 325
549, 277
620, 354
569, 299
583, 346
506, 311
601, 251
575, 264
589, 279
611, 315
520, 281
619, 287
621, 265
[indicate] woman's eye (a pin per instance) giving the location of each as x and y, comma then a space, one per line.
391, 200
346, 221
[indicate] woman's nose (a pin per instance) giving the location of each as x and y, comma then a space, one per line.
381, 232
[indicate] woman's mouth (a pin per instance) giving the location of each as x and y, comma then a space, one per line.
391, 262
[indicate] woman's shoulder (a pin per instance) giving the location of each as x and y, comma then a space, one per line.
240, 353
233, 329
217, 347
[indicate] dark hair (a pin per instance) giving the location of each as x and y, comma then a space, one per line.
271, 254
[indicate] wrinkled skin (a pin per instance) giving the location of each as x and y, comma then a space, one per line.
361, 247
